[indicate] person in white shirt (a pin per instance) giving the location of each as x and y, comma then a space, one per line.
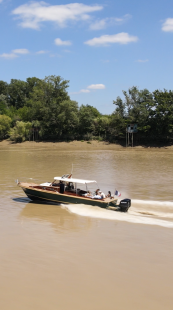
101, 194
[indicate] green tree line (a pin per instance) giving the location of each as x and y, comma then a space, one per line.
41, 109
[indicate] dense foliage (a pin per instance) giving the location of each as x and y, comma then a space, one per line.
38, 109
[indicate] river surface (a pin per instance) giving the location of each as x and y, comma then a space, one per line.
79, 257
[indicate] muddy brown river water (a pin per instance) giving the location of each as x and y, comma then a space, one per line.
78, 257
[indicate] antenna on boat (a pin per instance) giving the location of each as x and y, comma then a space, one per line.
72, 169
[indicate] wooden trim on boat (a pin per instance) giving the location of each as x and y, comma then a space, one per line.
70, 194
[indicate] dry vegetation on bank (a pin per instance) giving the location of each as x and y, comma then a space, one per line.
79, 145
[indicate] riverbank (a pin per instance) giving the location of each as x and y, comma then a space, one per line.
80, 145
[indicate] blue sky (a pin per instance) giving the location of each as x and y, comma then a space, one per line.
101, 47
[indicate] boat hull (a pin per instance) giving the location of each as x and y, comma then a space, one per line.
44, 195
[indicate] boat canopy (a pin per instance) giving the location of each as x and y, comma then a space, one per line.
74, 180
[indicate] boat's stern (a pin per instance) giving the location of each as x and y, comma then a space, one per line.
122, 206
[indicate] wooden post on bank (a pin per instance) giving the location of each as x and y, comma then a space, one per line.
132, 139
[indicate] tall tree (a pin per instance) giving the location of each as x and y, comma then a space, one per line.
163, 114
137, 107
87, 114
3, 104
45, 105
17, 92
3, 88
5, 122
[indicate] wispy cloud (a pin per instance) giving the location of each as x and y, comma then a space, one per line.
67, 51
1, 1
90, 88
106, 40
14, 53
84, 91
21, 51
168, 25
34, 13
142, 60
80, 91
58, 41
96, 86
55, 55
8, 56
103, 23
99, 24
41, 52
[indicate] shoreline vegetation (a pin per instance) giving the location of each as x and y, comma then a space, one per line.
41, 110
82, 146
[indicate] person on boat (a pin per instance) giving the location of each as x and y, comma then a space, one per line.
101, 194
70, 186
88, 194
62, 187
108, 195
97, 197
97, 191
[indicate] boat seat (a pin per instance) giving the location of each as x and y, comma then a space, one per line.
81, 192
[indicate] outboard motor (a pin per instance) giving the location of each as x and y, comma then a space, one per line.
125, 205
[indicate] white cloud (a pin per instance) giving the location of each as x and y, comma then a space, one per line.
55, 55
168, 25
89, 88
142, 60
34, 13
80, 91
103, 23
8, 56
105, 40
21, 51
99, 24
58, 41
41, 52
1, 1
84, 91
96, 86
67, 51
15, 53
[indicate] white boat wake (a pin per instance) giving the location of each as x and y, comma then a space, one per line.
141, 212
